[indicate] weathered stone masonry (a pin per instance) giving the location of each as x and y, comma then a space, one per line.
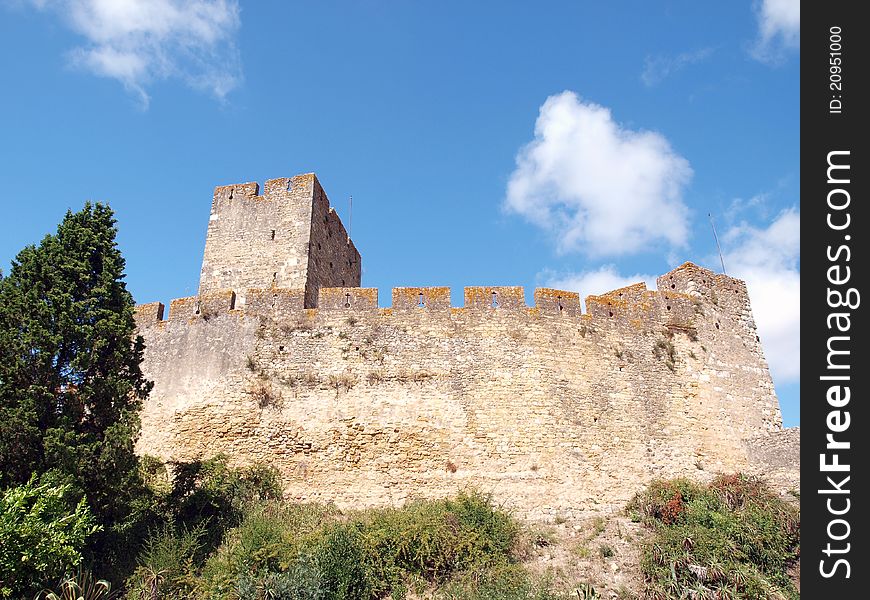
552, 410
287, 238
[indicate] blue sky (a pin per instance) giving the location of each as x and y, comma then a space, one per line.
579, 144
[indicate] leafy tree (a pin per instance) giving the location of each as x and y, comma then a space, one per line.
42, 534
70, 378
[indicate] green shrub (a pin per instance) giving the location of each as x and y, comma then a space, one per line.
261, 542
167, 565
340, 557
191, 513
213, 495
732, 537
434, 539
271, 538
302, 581
42, 534
499, 582
317, 552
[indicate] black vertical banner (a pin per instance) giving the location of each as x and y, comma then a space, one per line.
834, 342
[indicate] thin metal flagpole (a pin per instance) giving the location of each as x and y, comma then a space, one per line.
718, 247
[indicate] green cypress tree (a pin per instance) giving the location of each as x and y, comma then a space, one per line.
70, 378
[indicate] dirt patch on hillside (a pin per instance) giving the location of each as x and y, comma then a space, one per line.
601, 551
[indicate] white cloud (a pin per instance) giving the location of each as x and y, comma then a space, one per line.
592, 283
138, 42
779, 29
656, 69
769, 261
740, 206
597, 186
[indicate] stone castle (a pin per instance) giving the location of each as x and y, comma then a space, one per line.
283, 359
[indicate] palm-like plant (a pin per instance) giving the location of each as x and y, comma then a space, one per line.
81, 586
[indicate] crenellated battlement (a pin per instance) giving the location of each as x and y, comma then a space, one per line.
679, 295
273, 189
699, 282
551, 301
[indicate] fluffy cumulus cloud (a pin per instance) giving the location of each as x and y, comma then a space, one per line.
768, 259
138, 42
779, 29
594, 282
597, 186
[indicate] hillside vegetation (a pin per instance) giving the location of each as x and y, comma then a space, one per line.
462, 547
732, 538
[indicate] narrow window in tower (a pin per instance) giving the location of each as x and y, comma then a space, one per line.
494, 300
420, 303
347, 300
273, 235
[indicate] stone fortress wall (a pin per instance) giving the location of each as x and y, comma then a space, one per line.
553, 410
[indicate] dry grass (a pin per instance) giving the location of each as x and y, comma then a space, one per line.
375, 377
265, 395
289, 328
665, 349
341, 381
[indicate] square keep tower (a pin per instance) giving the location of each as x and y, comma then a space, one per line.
288, 237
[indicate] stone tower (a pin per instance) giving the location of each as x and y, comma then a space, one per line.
289, 237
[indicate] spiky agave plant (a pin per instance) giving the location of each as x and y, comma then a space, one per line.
81, 586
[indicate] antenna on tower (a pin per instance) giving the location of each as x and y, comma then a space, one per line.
718, 247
